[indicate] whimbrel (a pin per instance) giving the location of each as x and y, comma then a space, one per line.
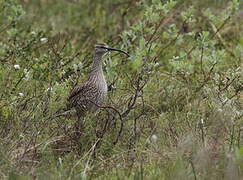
91, 94
87, 97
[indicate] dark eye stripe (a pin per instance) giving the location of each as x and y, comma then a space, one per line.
103, 47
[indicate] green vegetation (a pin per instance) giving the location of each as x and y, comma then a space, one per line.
175, 105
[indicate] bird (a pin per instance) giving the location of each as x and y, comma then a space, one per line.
89, 96
92, 93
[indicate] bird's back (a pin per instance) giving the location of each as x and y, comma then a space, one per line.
89, 96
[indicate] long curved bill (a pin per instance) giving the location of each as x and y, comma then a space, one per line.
118, 50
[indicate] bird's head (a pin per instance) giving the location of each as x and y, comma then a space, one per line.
102, 48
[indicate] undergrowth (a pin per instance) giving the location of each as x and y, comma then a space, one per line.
175, 105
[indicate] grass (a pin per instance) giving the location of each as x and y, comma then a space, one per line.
175, 105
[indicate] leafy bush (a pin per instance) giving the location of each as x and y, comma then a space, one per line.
175, 105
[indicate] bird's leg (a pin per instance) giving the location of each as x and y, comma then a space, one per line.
79, 126
77, 134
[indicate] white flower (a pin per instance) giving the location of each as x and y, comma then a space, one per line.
220, 110
27, 74
21, 94
156, 64
44, 40
16, 66
176, 57
49, 89
202, 121
154, 138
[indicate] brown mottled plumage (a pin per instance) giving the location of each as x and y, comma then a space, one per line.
92, 93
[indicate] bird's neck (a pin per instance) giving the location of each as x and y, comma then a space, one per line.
97, 65
96, 75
